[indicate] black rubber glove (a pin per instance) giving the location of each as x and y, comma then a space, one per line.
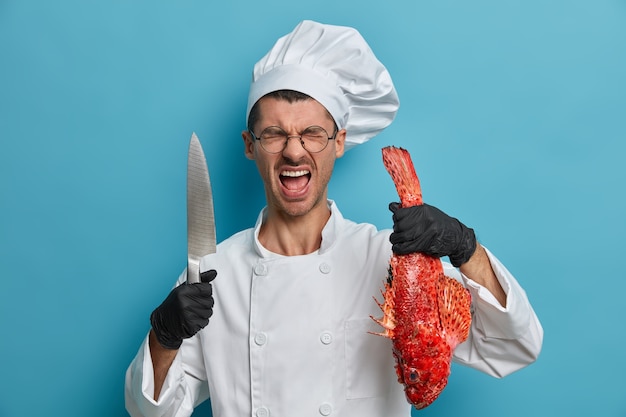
427, 229
184, 312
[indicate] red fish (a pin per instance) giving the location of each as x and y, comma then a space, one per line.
425, 313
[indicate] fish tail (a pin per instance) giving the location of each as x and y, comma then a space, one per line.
398, 163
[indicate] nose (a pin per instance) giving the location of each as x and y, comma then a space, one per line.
294, 148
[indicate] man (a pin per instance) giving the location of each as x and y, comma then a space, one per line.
283, 330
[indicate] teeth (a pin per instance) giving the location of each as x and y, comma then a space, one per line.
294, 173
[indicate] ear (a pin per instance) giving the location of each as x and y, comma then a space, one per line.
248, 145
340, 143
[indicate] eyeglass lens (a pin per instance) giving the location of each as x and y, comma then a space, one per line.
314, 139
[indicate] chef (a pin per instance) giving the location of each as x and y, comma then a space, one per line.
279, 325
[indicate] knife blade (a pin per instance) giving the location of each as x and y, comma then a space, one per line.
201, 238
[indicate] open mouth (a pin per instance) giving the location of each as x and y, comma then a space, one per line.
295, 181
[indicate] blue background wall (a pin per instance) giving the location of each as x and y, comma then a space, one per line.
514, 111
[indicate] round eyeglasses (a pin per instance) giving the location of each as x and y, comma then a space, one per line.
274, 139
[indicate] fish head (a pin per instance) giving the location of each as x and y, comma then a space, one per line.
423, 370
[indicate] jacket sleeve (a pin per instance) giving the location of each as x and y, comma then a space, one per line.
184, 388
502, 340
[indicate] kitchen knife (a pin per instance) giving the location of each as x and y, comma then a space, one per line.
201, 239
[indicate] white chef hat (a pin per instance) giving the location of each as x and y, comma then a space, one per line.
335, 66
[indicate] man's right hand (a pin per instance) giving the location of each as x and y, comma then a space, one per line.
184, 312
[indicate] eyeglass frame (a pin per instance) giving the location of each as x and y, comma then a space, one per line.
329, 138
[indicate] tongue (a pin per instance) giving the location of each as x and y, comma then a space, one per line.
295, 183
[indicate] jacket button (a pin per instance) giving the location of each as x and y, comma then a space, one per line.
262, 412
326, 338
324, 268
260, 339
326, 409
260, 269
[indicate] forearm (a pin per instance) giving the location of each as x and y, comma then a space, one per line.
162, 359
502, 340
478, 269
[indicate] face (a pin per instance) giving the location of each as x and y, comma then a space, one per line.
296, 181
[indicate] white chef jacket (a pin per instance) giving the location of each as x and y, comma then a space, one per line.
289, 334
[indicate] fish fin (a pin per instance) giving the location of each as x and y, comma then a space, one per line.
387, 320
388, 333
454, 309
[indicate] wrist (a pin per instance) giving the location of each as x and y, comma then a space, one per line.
161, 336
467, 247
479, 270
157, 346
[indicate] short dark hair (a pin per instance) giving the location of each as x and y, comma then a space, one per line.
287, 95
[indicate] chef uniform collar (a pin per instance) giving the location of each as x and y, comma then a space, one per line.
329, 232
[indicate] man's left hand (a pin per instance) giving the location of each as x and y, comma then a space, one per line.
427, 229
